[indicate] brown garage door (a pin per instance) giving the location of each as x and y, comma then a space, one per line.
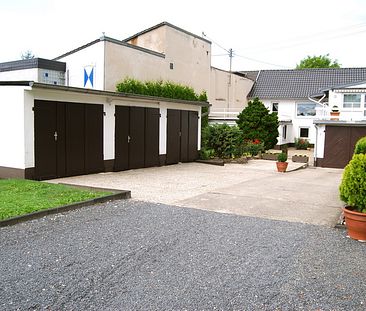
68, 139
136, 137
339, 144
182, 136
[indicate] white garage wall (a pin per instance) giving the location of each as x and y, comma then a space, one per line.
12, 127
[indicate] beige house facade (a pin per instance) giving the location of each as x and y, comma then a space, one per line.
164, 52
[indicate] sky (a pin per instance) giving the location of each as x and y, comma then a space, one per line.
263, 34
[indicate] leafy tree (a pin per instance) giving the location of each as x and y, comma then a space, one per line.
321, 61
257, 123
27, 55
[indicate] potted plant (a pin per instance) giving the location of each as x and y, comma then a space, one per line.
281, 162
353, 193
334, 114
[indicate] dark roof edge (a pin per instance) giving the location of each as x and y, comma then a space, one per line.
77, 49
139, 48
237, 73
115, 41
33, 63
99, 92
339, 86
279, 98
165, 24
340, 123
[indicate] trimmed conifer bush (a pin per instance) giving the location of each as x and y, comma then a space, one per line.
353, 185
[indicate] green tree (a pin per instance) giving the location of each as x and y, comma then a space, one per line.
256, 122
27, 55
321, 61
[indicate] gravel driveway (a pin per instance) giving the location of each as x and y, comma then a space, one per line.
133, 255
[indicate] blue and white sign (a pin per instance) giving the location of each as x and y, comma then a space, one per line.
89, 76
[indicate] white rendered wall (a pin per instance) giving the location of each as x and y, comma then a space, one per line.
287, 110
320, 142
92, 56
347, 114
20, 75
12, 127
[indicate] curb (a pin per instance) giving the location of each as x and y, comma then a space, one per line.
117, 195
305, 165
212, 162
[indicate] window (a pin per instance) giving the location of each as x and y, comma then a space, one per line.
171, 66
284, 131
275, 107
352, 101
306, 109
304, 132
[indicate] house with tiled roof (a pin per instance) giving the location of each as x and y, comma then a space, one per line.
301, 96
304, 100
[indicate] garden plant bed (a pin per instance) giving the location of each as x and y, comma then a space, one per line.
22, 200
300, 158
270, 156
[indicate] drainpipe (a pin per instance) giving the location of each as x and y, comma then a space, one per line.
316, 127
316, 145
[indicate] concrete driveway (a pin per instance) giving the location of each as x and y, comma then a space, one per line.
254, 189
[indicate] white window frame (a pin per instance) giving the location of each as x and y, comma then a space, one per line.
304, 103
304, 127
352, 107
272, 104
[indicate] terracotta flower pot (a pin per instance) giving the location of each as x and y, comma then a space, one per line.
334, 115
355, 223
281, 166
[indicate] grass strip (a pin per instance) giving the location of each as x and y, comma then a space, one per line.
21, 196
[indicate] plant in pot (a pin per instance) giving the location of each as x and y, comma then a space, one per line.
282, 162
334, 114
353, 192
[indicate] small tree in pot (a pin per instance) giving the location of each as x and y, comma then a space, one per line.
353, 192
281, 162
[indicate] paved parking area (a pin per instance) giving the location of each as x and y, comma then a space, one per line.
134, 255
254, 189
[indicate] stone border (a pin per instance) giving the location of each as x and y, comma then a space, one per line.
117, 195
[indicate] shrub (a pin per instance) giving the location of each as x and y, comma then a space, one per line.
353, 185
301, 143
257, 122
253, 147
361, 146
225, 140
206, 154
282, 157
160, 88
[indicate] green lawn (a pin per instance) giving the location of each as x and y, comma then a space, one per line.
19, 196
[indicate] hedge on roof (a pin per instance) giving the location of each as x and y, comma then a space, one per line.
160, 88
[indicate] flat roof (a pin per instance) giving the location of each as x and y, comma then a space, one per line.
116, 95
33, 63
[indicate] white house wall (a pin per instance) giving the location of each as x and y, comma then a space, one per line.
347, 114
87, 58
287, 110
320, 142
12, 127
30, 74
